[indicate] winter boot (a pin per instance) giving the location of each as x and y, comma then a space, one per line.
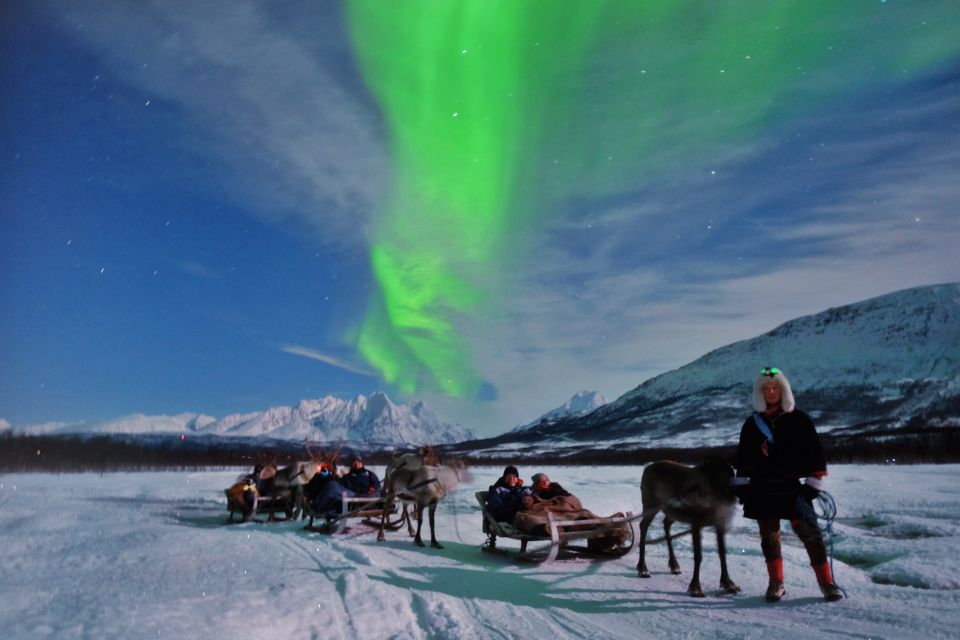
831, 592
775, 589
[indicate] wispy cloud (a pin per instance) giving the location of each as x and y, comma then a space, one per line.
198, 269
285, 121
330, 360
612, 296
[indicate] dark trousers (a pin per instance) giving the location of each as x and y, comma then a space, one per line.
808, 533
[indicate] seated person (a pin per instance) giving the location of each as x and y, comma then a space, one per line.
243, 493
266, 479
505, 496
544, 489
550, 497
361, 480
324, 491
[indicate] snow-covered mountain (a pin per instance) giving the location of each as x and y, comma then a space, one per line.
580, 404
368, 420
886, 363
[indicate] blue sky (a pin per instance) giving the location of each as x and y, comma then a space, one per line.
188, 192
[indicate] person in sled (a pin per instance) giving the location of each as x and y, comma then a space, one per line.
243, 494
505, 496
544, 489
360, 480
324, 491
779, 446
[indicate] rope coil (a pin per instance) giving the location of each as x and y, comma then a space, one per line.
822, 508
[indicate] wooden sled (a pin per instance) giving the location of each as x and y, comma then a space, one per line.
561, 533
269, 504
369, 510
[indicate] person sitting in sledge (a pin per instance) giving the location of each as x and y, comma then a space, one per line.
243, 494
546, 496
778, 446
505, 496
546, 490
324, 491
360, 480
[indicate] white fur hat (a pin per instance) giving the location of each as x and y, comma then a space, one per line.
786, 393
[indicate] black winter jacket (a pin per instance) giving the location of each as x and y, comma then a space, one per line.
774, 474
363, 482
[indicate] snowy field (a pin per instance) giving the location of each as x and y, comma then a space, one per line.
147, 555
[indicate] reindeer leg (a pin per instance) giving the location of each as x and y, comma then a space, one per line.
642, 570
433, 533
418, 540
383, 522
674, 565
726, 583
695, 589
409, 518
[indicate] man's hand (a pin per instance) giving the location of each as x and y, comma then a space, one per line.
812, 486
741, 487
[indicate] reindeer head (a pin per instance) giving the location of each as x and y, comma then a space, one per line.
429, 456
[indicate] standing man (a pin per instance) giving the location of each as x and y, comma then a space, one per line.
779, 446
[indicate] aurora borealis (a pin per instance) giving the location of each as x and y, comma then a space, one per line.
480, 96
486, 205
461, 111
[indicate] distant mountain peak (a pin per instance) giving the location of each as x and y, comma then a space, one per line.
373, 420
580, 404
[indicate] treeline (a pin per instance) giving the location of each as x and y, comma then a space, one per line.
108, 453
26, 453
918, 445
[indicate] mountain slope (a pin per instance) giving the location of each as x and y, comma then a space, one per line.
887, 362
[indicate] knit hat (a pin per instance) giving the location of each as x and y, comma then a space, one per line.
510, 470
768, 374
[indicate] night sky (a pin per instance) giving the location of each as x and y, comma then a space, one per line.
219, 207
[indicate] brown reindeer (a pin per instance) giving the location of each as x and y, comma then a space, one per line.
701, 496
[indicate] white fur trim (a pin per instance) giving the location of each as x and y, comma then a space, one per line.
813, 482
786, 393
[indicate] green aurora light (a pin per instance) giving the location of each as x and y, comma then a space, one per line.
499, 111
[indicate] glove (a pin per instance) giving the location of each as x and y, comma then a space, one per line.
741, 488
811, 488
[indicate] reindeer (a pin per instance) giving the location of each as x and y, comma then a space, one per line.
701, 496
422, 479
280, 488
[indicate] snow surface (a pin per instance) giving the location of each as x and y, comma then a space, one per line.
147, 555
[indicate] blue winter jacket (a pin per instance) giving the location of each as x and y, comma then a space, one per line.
504, 502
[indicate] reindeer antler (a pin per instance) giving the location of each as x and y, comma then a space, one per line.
321, 456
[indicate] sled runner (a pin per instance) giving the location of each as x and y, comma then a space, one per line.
597, 532
369, 510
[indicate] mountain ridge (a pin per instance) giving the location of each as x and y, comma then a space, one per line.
884, 363
373, 419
